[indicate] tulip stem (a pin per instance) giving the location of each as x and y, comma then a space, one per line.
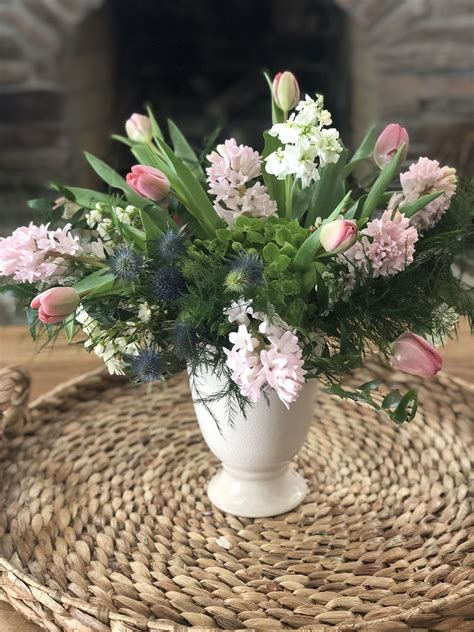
92, 261
289, 189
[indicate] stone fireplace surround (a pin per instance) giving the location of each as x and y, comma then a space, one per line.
409, 61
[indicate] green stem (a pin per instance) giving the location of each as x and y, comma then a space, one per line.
92, 261
289, 188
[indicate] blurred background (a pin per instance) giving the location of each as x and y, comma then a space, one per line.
72, 71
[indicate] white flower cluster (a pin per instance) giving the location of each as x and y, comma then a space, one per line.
307, 145
113, 349
97, 220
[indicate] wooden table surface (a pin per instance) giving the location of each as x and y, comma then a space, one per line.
53, 366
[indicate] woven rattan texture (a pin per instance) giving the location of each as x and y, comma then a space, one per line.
105, 523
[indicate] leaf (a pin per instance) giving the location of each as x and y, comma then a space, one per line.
363, 152
382, 183
133, 236
112, 178
145, 155
308, 249
282, 262
328, 191
88, 198
151, 229
310, 279
392, 399
94, 281
270, 252
275, 187
155, 128
255, 238
301, 199
69, 325
194, 198
123, 139
185, 152
372, 385
410, 209
277, 114
32, 318
40, 205
321, 291
406, 409
21, 290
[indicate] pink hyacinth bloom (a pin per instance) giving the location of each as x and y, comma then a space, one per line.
55, 304
413, 354
386, 248
243, 339
283, 372
33, 253
389, 142
423, 177
148, 182
245, 367
236, 163
232, 169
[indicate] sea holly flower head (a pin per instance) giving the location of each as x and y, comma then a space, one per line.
147, 365
125, 264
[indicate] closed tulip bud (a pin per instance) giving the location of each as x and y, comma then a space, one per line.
286, 91
338, 235
138, 128
56, 304
148, 182
413, 354
388, 143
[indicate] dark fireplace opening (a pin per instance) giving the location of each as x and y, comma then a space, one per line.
200, 63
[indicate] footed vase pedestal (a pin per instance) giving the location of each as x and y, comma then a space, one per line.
256, 479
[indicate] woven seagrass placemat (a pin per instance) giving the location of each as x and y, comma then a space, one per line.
105, 523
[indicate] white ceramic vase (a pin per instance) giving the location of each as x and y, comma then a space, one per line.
256, 479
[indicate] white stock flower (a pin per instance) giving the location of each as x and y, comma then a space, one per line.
306, 144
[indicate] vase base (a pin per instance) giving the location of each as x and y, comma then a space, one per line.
257, 498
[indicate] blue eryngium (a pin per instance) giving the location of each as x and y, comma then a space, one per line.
170, 246
184, 340
147, 366
246, 272
168, 284
125, 264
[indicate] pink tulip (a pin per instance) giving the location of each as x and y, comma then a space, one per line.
286, 91
413, 354
149, 182
138, 128
388, 143
55, 304
338, 235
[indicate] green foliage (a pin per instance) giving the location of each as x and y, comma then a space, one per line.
328, 191
185, 152
276, 241
382, 183
363, 152
307, 251
401, 409
276, 188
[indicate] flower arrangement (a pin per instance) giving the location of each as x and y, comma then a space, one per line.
273, 267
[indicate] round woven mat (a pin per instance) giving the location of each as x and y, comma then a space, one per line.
105, 523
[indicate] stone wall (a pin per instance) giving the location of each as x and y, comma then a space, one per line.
411, 61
